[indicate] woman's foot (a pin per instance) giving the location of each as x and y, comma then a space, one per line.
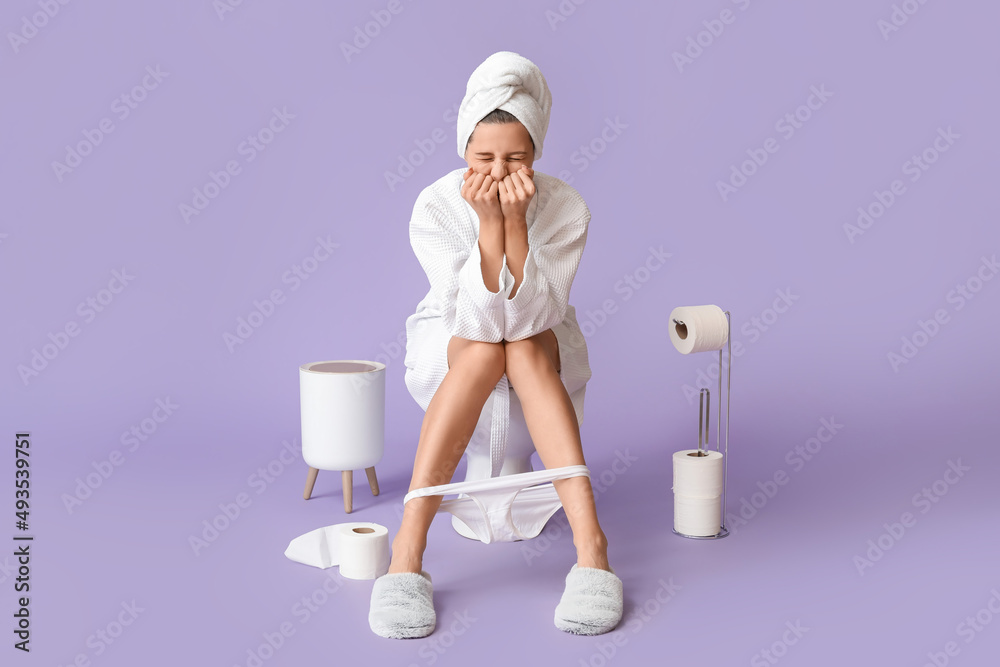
402, 603
592, 602
402, 606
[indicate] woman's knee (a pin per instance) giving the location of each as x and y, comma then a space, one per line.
531, 354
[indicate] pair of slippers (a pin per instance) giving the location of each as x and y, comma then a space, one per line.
402, 605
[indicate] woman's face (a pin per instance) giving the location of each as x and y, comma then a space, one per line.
499, 150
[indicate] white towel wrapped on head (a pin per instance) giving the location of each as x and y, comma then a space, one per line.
510, 82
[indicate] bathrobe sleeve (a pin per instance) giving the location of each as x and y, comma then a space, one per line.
451, 259
555, 245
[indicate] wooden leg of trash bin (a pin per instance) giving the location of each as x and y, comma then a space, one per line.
372, 480
310, 482
348, 479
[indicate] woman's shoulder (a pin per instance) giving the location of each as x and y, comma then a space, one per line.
557, 185
556, 194
445, 192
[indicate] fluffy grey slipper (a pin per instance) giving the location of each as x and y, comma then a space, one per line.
402, 606
592, 602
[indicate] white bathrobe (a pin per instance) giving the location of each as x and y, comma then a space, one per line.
444, 234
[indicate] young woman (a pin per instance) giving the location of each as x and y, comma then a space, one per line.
500, 244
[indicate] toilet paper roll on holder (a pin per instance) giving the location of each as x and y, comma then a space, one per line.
703, 421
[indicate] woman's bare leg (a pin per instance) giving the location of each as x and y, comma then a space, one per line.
532, 367
475, 367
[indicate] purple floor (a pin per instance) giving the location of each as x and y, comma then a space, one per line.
793, 577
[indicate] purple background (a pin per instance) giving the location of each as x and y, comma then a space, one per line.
825, 357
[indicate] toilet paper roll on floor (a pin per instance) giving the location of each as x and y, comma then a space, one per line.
698, 485
360, 548
698, 328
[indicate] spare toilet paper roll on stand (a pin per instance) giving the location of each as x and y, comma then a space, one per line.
359, 547
700, 480
698, 486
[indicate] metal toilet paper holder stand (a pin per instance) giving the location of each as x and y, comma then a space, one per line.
703, 417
